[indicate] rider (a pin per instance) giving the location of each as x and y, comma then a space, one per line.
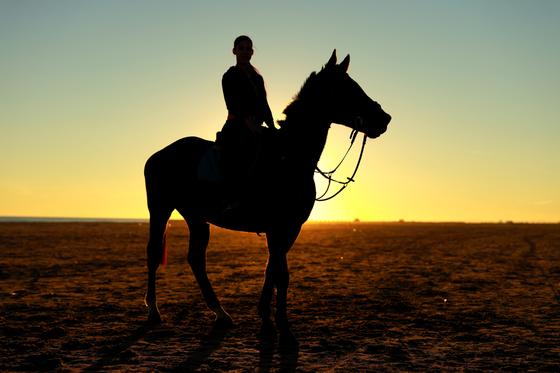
245, 97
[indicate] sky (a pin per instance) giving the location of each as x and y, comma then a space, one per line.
90, 89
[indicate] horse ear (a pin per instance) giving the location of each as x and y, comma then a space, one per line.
332, 60
345, 63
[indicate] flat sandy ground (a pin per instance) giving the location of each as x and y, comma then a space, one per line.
363, 297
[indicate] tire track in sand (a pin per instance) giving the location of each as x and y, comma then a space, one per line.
530, 240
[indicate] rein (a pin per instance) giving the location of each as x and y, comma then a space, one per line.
329, 175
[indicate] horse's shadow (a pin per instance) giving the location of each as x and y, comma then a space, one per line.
208, 344
120, 345
267, 345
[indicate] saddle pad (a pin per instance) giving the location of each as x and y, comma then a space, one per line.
209, 166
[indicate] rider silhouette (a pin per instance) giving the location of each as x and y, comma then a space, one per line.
245, 97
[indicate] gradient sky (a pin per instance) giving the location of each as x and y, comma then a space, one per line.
89, 89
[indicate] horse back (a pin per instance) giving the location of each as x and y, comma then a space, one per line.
184, 154
171, 172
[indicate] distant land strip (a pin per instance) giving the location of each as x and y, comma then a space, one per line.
34, 219
44, 219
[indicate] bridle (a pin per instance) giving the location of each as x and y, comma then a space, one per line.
329, 175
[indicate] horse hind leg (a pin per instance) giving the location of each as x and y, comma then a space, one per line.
199, 235
155, 256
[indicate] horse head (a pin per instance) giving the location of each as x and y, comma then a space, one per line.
346, 101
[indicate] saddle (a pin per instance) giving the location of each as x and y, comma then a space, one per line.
212, 165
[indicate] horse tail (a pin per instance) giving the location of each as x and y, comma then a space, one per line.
160, 212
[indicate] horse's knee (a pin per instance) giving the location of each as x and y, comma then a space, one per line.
277, 271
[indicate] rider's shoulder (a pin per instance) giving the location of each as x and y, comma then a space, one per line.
233, 70
230, 73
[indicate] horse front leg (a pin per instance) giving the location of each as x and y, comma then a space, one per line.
277, 276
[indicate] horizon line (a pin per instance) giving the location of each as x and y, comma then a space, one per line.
70, 219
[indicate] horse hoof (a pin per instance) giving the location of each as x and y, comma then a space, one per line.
154, 318
223, 323
223, 319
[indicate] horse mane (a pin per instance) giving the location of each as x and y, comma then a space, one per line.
305, 91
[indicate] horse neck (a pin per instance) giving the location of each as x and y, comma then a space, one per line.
306, 135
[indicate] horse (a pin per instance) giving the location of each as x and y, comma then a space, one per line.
328, 96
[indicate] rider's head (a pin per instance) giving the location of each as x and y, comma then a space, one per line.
243, 49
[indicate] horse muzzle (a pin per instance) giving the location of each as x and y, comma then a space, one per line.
375, 128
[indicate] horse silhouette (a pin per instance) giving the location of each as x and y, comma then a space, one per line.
281, 195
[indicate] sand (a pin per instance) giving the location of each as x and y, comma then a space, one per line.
363, 297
